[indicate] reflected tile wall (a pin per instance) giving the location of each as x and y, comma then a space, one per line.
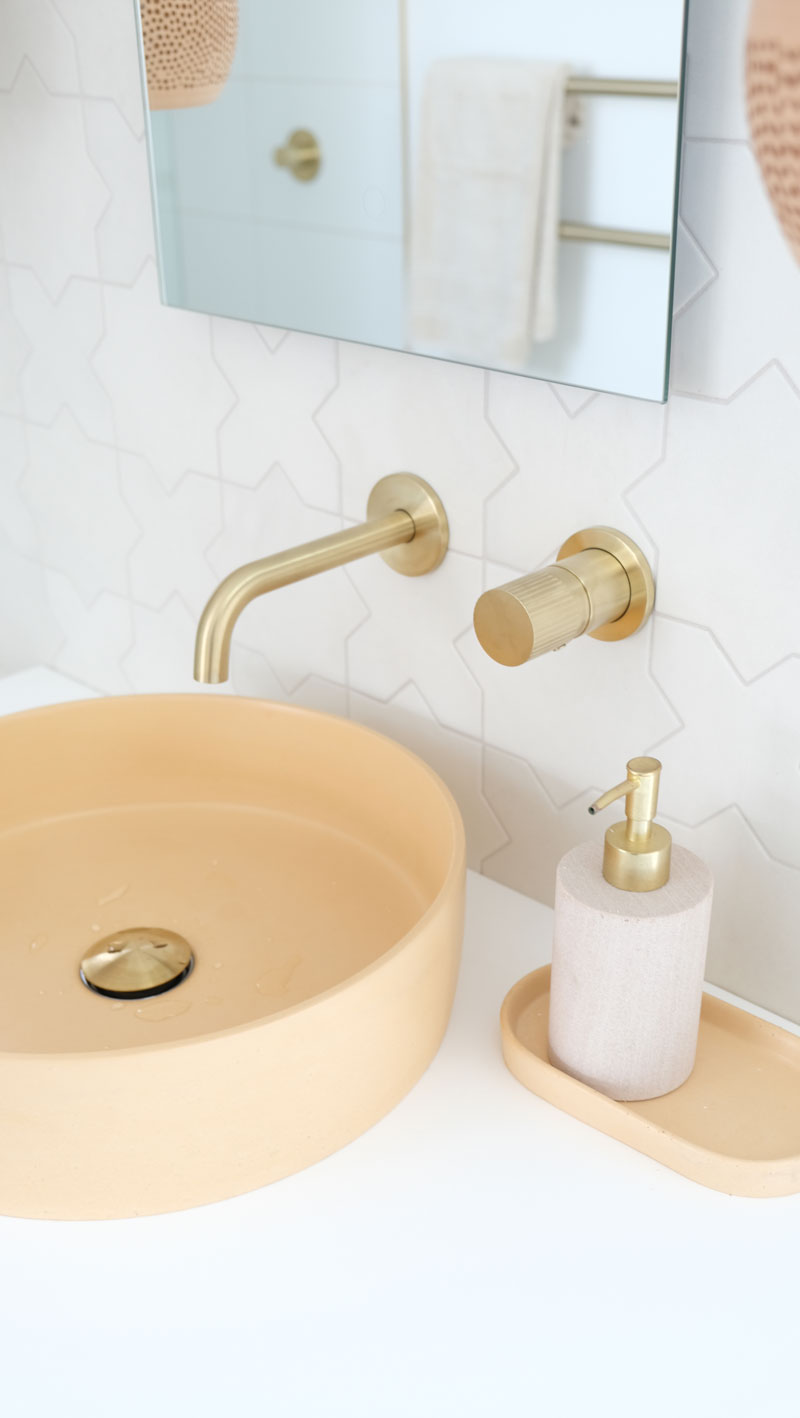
147, 451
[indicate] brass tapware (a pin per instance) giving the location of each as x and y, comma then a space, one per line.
137, 963
601, 585
637, 851
300, 154
406, 523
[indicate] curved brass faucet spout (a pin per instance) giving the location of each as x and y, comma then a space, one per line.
406, 523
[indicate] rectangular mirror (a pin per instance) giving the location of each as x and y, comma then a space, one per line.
491, 183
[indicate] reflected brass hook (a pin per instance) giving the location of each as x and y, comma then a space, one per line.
301, 154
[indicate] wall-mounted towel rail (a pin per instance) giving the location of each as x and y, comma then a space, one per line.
626, 88
617, 236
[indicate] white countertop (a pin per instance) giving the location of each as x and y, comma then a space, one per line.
476, 1253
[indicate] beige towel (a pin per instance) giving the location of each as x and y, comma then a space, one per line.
486, 209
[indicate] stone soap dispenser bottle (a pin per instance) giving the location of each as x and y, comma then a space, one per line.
629, 951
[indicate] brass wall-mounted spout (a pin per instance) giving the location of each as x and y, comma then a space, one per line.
406, 523
601, 584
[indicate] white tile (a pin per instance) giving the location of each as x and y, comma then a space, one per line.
71, 489
753, 948
538, 833
177, 528
407, 718
210, 263
125, 235
38, 687
715, 101
208, 151
576, 716
61, 335
349, 285
162, 656
108, 57
253, 677
300, 630
571, 398
272, 336
16, 519
395, 412
751, 313
34, 30
572, 470
278, 392
409, 635
29, 633
693, 270
59, 195
723, 506
168, 393
96, 637
740, 743
354, 40
342, 284
14, 350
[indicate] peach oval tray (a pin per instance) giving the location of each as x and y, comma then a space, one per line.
733, 1126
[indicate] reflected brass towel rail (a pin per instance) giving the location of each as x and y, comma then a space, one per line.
615, 236
626, 88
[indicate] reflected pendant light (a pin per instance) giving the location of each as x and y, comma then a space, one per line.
773, 102
188, 49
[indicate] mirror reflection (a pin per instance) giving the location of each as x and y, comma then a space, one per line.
491, 184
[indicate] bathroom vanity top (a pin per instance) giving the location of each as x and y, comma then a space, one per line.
477, 1250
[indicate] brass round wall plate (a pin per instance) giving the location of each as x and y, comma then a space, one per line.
137, 963
636, 567
405, 492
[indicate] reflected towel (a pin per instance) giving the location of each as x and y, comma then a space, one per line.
486, 209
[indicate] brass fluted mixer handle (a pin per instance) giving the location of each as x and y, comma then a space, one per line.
601, 585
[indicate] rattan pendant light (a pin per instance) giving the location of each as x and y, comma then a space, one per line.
773, 101
188, 48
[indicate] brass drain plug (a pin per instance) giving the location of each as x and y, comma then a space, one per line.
137, 963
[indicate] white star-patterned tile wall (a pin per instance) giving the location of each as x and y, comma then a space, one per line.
145, 452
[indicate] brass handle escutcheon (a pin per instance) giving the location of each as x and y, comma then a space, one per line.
300, 154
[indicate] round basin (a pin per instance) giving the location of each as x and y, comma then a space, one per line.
316, 871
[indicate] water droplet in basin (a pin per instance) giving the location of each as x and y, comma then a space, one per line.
278, 978
95, 926
118, 1004
217, 964
157, 1010
112, 896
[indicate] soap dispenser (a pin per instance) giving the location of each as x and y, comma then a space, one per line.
629, 951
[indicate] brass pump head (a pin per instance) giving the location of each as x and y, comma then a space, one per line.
637, 852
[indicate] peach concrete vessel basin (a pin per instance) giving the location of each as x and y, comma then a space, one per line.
316, 871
